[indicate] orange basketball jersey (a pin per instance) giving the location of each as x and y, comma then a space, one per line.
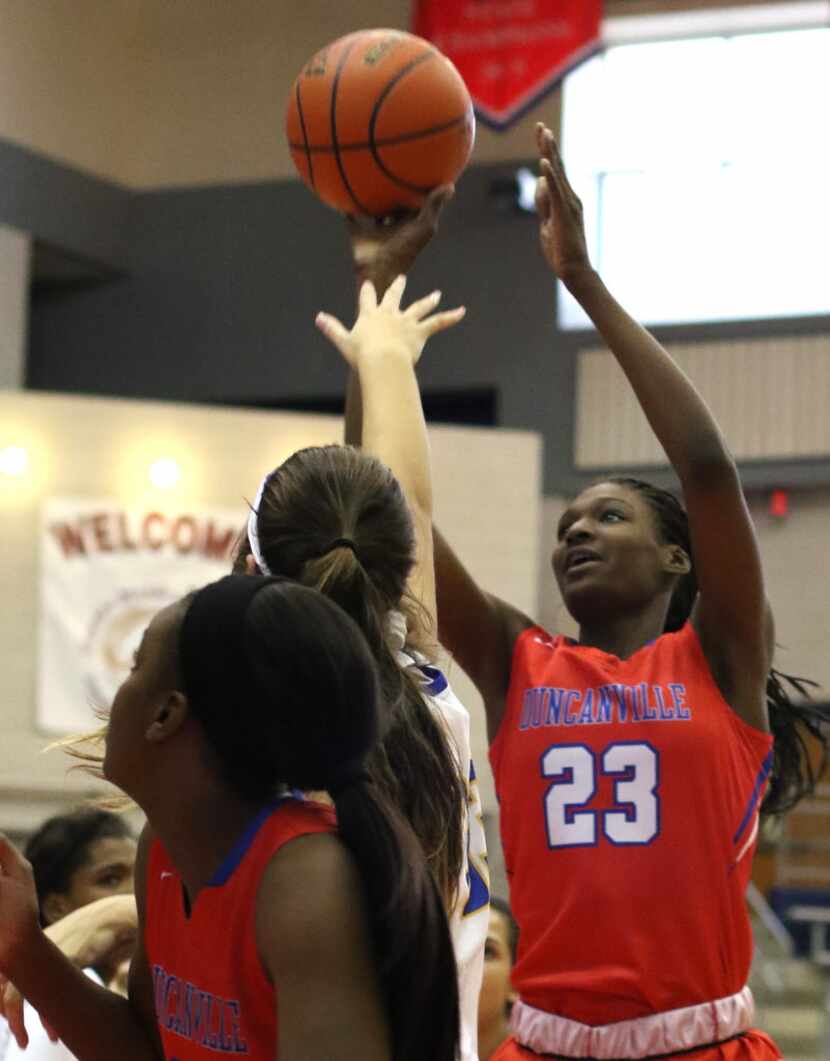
212, 995
629, 795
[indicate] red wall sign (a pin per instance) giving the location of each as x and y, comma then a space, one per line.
510, 52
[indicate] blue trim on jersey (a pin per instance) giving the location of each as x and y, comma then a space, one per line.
437, 682
760, 781
240, 848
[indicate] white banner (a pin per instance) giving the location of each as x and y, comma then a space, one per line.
105, 570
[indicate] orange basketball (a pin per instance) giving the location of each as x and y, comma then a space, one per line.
377, 119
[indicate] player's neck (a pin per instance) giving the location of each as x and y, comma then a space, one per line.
491, 1037
199, 832
624, 635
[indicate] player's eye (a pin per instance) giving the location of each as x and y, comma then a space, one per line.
110, 880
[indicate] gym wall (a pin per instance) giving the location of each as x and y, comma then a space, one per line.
100, 449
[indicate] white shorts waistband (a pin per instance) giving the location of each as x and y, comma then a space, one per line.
659, 1033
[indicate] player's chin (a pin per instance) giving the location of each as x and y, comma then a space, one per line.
588, 598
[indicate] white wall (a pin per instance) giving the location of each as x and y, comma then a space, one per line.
487, 496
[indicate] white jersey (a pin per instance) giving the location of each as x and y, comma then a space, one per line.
470, 916
41, 1047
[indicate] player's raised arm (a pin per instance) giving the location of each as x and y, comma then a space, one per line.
383, 249
731, 614
382, 349
477, 628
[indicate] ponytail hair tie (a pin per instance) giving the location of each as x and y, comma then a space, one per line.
341, 543
347, 777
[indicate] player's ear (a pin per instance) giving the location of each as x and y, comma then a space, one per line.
676, 560
168, 718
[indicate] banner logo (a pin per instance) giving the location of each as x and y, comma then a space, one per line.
511, 53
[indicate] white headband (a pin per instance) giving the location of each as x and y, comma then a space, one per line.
253, 532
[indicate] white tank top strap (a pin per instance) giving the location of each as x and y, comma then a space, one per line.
656, 1035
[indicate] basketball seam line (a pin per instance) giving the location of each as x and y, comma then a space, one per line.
306, 147
333, 115
389, 141
401, 74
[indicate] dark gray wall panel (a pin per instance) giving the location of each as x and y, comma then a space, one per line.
61, 206
223, 284
220, 288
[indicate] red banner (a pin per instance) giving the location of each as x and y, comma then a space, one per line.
510, 52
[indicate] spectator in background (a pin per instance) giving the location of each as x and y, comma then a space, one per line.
80, 857
77, 859
497, 994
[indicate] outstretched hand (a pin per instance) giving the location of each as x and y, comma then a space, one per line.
18, 925
101, 934
386, 247
384, 326
561, 226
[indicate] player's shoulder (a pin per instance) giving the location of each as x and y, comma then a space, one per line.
296, 815
536, 643
677, 647
309, 890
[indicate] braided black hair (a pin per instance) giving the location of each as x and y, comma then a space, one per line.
796, 725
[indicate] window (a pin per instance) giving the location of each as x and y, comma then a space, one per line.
703, 165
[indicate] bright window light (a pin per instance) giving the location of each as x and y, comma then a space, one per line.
165, 473
14, 461
526, 183
703, 166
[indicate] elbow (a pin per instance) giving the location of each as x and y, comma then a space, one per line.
708, 465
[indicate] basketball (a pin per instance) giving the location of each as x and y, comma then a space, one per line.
377, 119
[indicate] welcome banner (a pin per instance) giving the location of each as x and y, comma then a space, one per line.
105, 570
510, 52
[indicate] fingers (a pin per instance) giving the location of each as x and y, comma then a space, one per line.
556, 190
367, 298
50, 1031
435, 203
553, 170
394, 293
13, 1010
441, 321
542, 199
546, 141
333, 329
550, 162
418, 310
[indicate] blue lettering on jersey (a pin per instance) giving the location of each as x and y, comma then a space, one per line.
571, 696
554, 699
549, 706
586, 717
663, 714
197, 1015
678, 695
606, 706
